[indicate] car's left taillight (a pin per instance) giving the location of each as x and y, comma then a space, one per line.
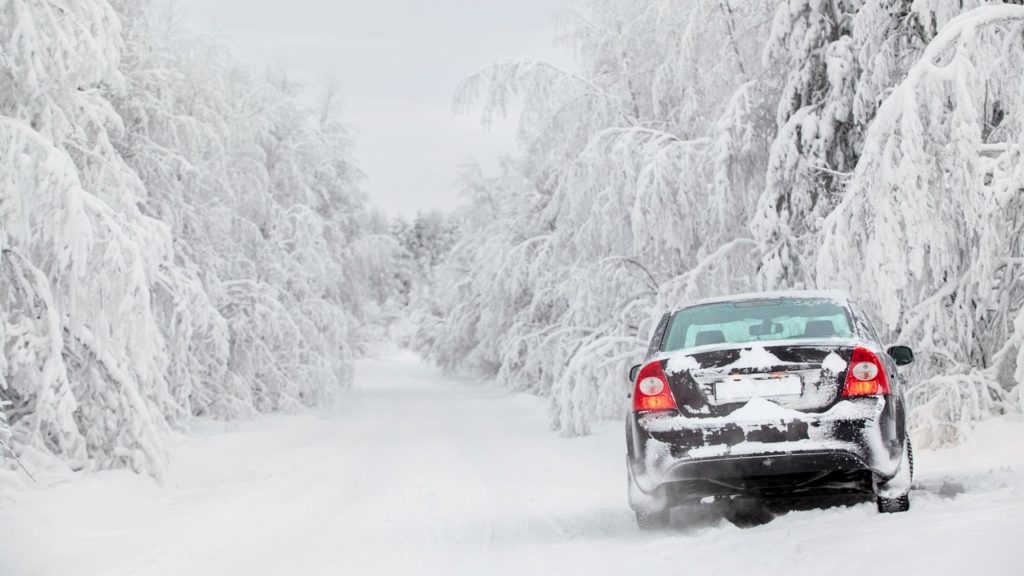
651, 392
865, 375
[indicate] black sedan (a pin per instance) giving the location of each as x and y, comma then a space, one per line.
770, 396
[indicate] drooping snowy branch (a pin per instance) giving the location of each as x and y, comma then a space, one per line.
875, 148
929, 212
177, 236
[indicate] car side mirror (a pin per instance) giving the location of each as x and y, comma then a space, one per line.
633, 373
901, 355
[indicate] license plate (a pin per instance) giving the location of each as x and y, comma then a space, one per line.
744, 387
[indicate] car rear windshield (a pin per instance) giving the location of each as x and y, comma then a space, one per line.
748, 321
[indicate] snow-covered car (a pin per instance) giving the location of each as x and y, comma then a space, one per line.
767, 395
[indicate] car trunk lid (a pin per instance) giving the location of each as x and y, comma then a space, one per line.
804, 376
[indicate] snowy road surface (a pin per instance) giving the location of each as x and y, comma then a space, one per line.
417, 474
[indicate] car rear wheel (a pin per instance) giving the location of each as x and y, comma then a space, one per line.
900, 503
652, 520
652, 509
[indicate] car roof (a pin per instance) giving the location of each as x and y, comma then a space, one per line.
837, 296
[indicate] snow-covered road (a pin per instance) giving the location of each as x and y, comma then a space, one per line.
418, 474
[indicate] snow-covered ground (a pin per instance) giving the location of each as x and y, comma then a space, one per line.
419, 474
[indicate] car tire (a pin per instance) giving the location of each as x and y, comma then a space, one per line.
652, 510
652, 520
900, 503
893, 505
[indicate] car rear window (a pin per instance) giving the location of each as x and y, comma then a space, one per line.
746, 321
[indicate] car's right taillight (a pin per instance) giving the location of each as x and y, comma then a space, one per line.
651, 392
865, 375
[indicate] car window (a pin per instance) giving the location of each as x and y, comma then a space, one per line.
864, 323
658, 336
758, 320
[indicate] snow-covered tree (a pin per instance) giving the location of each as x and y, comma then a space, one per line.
427, 240
928, 232
708, 147
817, 140
177, 235
79, 257
588, 233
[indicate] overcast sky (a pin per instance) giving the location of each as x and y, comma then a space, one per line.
398, 63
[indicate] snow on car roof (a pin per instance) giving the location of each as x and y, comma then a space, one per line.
836, 295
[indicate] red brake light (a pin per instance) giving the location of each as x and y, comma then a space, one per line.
865, 375
651, 391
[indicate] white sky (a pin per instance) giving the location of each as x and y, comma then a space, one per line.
398, 63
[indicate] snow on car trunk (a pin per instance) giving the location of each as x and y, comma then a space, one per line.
806, 376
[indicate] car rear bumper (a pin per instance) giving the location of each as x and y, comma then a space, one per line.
698, 457
765, 464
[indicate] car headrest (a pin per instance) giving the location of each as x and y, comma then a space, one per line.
819, 328
709, 337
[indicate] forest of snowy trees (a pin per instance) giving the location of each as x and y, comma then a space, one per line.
715, 146
183, 236
179, 236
